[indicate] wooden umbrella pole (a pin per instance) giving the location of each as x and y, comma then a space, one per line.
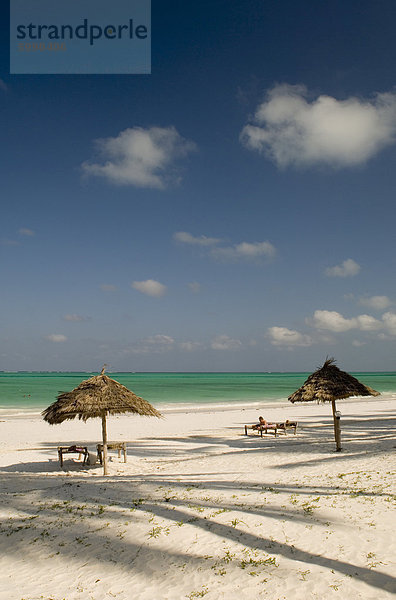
337, 429
104, 437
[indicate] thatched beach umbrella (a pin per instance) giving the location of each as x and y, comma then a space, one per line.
329, 384
97, 397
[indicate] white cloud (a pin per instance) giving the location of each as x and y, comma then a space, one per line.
376, 302
56, 338
282, 336
140, 157
358, 344
367, 323
26, 231
194, 287
160, 339
334, 321
324, 338
154, 344
291, 130
75, 318
150, 287
389, 321
245, 250
186, 238
224, 342
108, 287
348, 268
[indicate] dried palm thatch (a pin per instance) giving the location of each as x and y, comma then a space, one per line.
97, 397
92, 397
329, 384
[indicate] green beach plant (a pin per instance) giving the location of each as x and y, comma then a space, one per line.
198, 594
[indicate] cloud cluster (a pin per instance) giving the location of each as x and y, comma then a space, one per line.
224, 342
26, 231
376, 302
282, 336
140, 157
155, 344
75, 318
389, 320
331, 320
186, 238
241, 251
108, 287
57, 338
334, 321
348, 268
158, 344
358, 343
23, 231
292, 130
245, 250
150, 287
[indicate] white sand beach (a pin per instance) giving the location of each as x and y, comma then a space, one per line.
201, 510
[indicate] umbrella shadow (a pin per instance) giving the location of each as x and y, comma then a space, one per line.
71, 462
50, 466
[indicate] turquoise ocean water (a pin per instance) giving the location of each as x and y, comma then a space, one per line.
23, 392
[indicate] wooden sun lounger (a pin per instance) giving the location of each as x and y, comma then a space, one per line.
288, 425
73, 450
275, 428
120, 446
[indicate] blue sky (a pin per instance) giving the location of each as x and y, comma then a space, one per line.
234, 210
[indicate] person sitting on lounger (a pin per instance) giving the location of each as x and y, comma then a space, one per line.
262, 424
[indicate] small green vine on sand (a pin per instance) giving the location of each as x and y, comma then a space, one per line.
199, 594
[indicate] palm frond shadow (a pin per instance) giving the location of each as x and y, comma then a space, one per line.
61, 503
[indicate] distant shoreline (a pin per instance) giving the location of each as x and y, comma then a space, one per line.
184, 372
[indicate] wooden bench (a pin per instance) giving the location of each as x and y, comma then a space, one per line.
73, 450
120, 446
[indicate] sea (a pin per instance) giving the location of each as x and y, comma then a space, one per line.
26, 392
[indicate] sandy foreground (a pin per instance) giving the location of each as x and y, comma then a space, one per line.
201, 510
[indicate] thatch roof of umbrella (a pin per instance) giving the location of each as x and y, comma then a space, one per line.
93, 396
329, 384
97, 397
